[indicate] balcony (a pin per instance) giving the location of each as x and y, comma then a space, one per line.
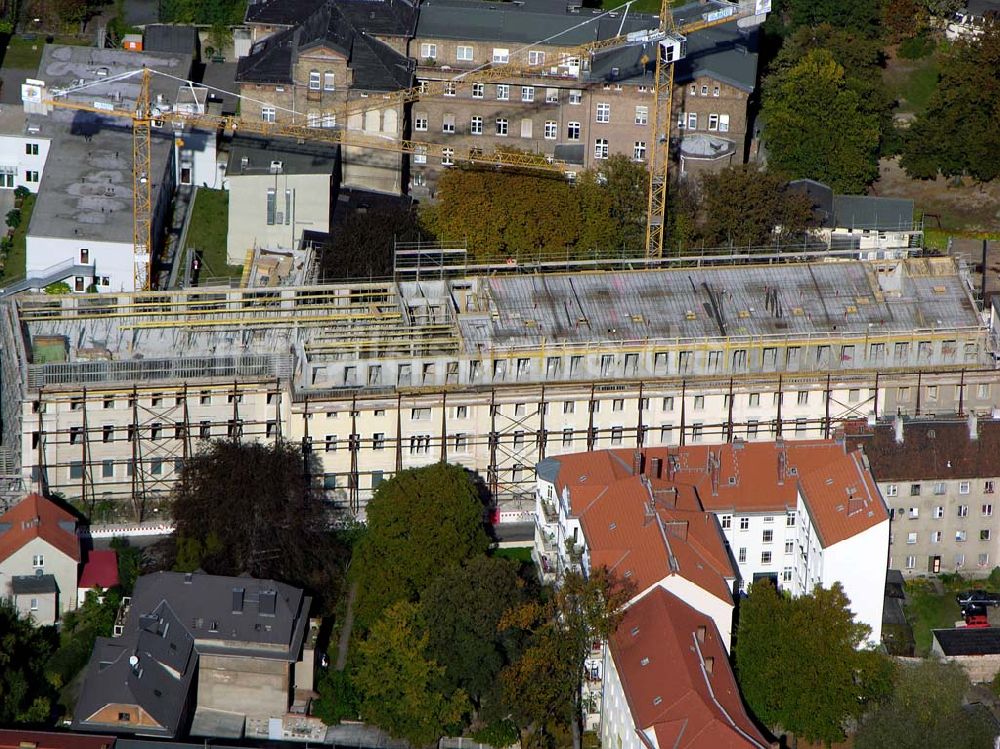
549, 511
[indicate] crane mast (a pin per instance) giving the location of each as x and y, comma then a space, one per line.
142, 218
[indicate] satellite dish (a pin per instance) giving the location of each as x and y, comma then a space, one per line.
133, 660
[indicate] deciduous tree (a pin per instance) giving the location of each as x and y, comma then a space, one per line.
25, 694
361, 246
816, 126
420, 523
401, 684
861, 16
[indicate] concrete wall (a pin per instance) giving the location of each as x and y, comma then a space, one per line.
111, 261
252, 686
308, 207
55, 563
617, 727
980, 668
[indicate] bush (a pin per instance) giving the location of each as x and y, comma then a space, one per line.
21, 192
14, 218
499, 734
916, 47
59, 287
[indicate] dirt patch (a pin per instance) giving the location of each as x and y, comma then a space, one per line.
961, 205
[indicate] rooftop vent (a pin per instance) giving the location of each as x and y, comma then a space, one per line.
268, 602
276, 167
238, 600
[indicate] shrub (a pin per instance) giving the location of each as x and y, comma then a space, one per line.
13, 218
499, 734
59, 287
916, 47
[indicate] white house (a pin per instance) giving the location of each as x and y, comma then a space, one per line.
971, 20
39, 558
24, 147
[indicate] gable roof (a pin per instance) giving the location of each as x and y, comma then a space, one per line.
662, 650
870, 212
968, 640
100, 570
37, 517
396, 18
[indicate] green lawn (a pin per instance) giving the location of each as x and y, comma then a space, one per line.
518, 554
16, 259
928, 610
26, 54
207, 233
912, 82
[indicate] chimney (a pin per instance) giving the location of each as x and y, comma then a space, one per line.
709, 665
973, 427
782, 460
268, 602
657, 467
897, 425
238, 600
638, 463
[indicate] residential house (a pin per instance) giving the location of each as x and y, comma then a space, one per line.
243, 638
39, 558
939, 477
669, 682
342, 51
971, 20
99, 573
278, 188
575, 110
24, 148
877, 227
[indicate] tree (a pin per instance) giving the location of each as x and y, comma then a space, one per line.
861, 16
80, 629
801, 664
25, 694
743, 205
400, 683
903, 19
129, 562
420, 523
926, 711
252, 508
361, 246
817, 127
464, 608
959, 133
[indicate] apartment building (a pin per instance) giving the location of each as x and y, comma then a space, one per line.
103, 398
339, 52
573, 108
939, 477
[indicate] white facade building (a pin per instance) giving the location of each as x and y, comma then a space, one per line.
24, 148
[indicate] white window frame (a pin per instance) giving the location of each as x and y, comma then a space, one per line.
527, 127
448, 124
639, 150
428, 51
723, 123
601, 148
478, 90
476, 125
503, 92
573, 130
641, 115
501, 127
551, 96
464, 53
713, 122
551, 130
501, 56
527, 93
329, 81
315, 80
575, 96
692, 121
268, 114
420, 123
602, 114
536, 57
447, 157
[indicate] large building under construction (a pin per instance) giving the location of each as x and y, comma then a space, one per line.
105, 395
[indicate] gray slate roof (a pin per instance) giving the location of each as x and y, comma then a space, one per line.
182, 40
26, 585
969, 640
868, 212
295, 157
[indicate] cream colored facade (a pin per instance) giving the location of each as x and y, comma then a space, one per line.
41, 558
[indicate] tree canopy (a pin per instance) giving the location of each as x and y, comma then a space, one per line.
25, 694
801, 664
817, 126
959, 133
860, 16
401, 684
361, 246
420, 523
926, 711
505, 214
246, 507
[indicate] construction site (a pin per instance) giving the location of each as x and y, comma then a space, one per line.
105, 395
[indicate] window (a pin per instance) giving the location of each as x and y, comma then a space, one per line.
31, 149
267, 114
963, 511
272, 206
551, 96
786, 575
501, 126
32, 176
914, 513
713, 122
575, 96
959, 560
476, 126
420, 155
601, 148
314, 80
984, 534
501, 56
33, 604
699, 403
329, 81
478, 90
526, 127
987, 511
911, 562
448, 124
936, 537
447, 157
536, 57
790, 520
420, 444
463, 53
704, 90
639, 151
692, 123
567, 437
789, 547
914, 490
641, 115
569, 407
891, 490
331, 443
420, 122
744, 524
963, 487
429, 51
604, 113
960, 536
724, 123
765, 557
767, 536
527, 93
938, 512
616, 435
939, 488
911, 538
988, 487
726, 521
503, 92
449, 88
572, 131
742, 557
551, 129
715, 91
37, 560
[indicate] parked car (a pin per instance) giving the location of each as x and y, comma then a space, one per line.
977, 598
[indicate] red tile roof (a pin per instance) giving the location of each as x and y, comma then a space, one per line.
748, 477
36, 517
100, 570
662, 651
15, 739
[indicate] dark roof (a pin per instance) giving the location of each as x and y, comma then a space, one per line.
376, 66
309, 157
15, 739
868, 212
969, 640
169, 38
931, 450
280, 12
980, 8
397, 18
894, 584
24, 585
152, 665
820, 195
